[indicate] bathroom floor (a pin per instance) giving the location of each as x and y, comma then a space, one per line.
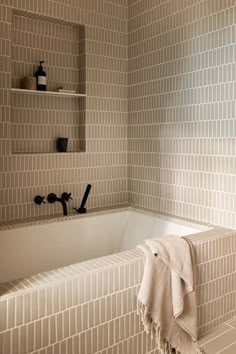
222, 340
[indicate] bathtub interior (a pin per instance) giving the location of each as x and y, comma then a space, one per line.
31, 250
141, 226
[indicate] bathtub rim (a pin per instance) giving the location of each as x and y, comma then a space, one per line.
50, 219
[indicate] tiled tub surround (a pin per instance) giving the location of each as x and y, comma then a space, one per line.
90, 307
104, 164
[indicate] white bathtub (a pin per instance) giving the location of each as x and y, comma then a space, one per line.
33, 249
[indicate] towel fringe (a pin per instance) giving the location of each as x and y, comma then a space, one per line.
155, 330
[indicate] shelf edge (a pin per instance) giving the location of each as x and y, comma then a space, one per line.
48, 93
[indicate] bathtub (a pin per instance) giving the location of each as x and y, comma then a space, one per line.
42, 247
77, 280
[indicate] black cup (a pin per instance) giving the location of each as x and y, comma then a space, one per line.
62, 144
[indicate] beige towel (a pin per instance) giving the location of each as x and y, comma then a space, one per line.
166, 299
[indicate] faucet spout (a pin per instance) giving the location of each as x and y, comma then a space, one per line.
52, 198
64, 206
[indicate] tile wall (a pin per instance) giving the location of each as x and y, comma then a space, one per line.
181, 79
182, 110
104, 164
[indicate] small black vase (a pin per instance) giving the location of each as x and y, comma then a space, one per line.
62, 144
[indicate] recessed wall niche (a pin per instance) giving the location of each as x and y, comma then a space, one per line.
39, 118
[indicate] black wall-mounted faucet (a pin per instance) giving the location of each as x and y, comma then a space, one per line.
82, 209
66, 196
52, 198
39, 200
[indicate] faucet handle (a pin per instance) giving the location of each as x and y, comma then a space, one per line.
51, 198
66, 196
39, 200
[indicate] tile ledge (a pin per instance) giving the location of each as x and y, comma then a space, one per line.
44, 219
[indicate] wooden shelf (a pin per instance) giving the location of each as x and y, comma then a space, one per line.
48, 93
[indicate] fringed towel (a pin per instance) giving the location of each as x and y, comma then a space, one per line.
166, 299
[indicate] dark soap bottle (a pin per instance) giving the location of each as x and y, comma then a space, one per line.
41, 78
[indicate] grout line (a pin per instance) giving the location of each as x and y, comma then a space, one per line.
212, 339
74, 307
228, 323
222, 351
219, 318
